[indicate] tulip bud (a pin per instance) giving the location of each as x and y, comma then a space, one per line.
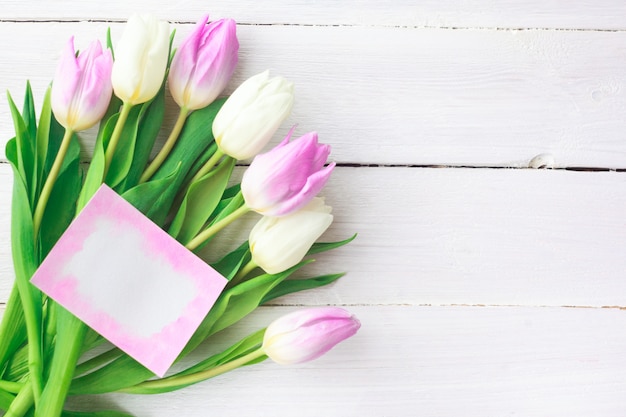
307, 334
81, 90
287, 177
141, 59
251, 115
204, 63
278, 243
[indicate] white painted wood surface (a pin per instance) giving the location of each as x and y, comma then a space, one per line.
406, 90
408, 96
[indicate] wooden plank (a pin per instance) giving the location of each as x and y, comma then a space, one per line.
474, 236
457, 236
602, 14
444, 97
435, 361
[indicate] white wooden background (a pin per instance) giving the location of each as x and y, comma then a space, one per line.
485, 287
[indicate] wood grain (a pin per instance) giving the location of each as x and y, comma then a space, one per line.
482, 291
458, 236
575, 14
435, 361
554, 92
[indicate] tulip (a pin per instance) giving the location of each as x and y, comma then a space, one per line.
81, 90
251, 115
200, 70
204, 63
286, 178
140, 59
307, 334
79, 98
278, 243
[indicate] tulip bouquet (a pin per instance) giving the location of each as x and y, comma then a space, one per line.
187, 189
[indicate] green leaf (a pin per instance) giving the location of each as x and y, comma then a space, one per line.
233, 204
106, 413
172, 51
30, 122
241, 348
200, 200
61, 206
110, 43
17, 366
124, 152
229, 265
12, 328
25, 156
199, 163
114, 107
28, 112
146, 197
123, 372
295, 285
41, 141
195, 137
319, 247
13, 322
226, 204
235, 303
150, 123
55, 137
95, 173
25, 262
5, 400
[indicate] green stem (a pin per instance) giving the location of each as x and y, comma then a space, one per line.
208, 165
6, 399
31, 305
70, 334
50, 327
184, 380
22, 402
11, 387
243, 272
115, 137
167, 147
51, 180
216, 227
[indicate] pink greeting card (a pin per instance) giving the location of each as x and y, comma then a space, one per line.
130, 281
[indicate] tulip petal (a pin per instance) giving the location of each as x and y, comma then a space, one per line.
278, 243
81, 89
244, 95
312, 187
184, 62
65, 82
307, 334
140, 59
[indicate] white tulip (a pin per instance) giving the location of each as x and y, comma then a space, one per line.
141, 59
252, 114
278, 243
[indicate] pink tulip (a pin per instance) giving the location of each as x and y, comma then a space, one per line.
204, 63
287, 177
307, 334
81, 90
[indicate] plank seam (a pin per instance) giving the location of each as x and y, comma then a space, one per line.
332, 25
443, 166
607, 307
